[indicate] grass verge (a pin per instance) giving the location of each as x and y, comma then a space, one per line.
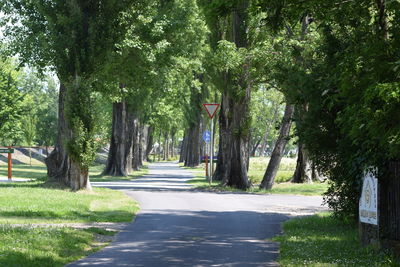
321, 241
34, 202
25, 171
30, 202
256, 172
39, 172
95, 173
43, 247
315, 189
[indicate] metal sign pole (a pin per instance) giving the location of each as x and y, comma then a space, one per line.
212, 149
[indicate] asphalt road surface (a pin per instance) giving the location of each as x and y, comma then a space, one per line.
179, 226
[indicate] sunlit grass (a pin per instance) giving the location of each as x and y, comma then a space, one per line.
43, 247
322, 240
314, 189
26, 203
40, 172
32, 203
256, 173
95, 173
258, 165
25, 171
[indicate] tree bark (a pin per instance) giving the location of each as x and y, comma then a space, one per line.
232, 165
277, 153
182, 154
119, 162
254, 149
144, 130
58, 161
172, 144
136, 145
303, 172
193, 144
60, 167
150, 142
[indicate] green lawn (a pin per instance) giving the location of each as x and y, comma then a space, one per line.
44, 247
95, 174
31, 203
25, 171
315, 189
35, 202
322, 241
258, 165
40, 172
256, 173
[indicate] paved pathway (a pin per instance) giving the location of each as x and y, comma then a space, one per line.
178, 226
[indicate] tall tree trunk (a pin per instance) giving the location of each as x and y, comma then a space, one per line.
144, 130
182, 153
193, 144
159, 147
60, 167
119, 162
150, 142
172, 144
136, 145
254, 149
277, 153
232, 165
303, 172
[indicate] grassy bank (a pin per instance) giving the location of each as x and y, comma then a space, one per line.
39, 171
321, 241
256, 173
31, 202
258, 165
95, 173
44, 247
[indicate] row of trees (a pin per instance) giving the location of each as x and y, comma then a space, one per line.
335, 64
28, 107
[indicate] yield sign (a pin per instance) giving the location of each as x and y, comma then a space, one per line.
211, 109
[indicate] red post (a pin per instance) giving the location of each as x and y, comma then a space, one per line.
9, 165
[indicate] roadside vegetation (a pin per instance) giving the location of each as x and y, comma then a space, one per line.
321, 240
39, 172
38, 208
46, 247
256, 172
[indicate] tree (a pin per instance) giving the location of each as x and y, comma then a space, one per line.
228, 22
74, 38
350, 87
277, 153
11, 100
266, 110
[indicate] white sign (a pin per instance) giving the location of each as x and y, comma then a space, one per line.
368, 207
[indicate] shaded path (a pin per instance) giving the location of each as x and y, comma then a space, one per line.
181, 227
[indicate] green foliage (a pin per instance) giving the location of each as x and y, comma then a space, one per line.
81, 118
342, 75
11, 103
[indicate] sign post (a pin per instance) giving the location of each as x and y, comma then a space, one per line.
211, 109
9, 151
207, 139
368, 206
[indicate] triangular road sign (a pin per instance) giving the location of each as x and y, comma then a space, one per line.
211, 109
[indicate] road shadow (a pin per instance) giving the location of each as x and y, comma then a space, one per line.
187, 238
